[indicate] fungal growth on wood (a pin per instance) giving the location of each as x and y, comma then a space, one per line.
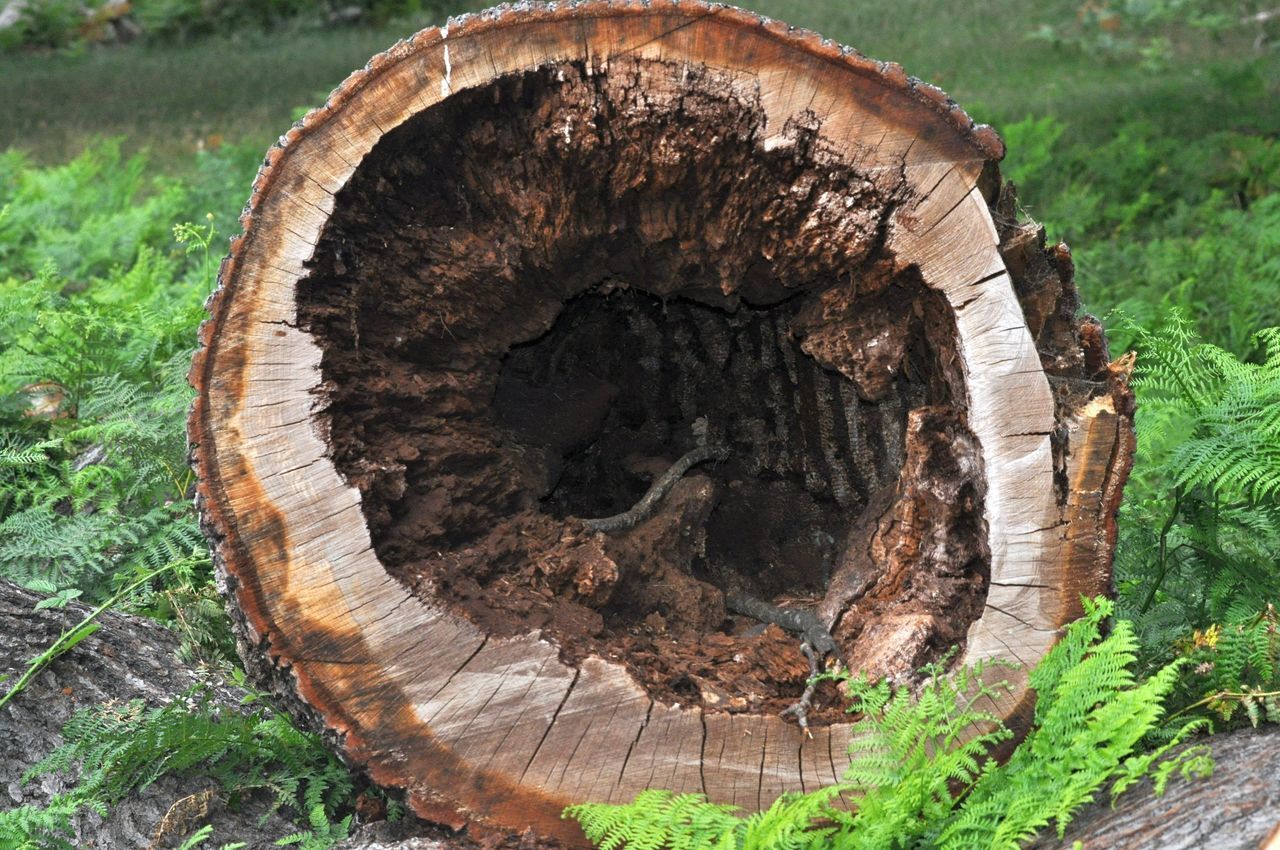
590, 375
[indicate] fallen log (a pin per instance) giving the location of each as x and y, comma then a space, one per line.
1237, 808
135, 658
128, 658
559, 326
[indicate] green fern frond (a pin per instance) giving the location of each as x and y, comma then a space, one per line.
920, 771
1229, 409
122, 748
1200, 527
1089, 703
658, 819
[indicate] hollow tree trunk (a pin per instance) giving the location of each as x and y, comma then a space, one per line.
579, 362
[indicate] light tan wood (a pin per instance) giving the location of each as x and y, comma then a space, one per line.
500, 731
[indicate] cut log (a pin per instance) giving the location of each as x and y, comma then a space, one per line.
135, 658
516, 269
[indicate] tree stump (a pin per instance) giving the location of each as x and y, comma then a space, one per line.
558, 332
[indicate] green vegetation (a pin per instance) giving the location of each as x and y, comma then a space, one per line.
121, 748
1160, 166
1162, 222
1234, 669
99, 301
920, 774
245, 86
1211, 446
75, 24
1139, 29
86, 627
176, 99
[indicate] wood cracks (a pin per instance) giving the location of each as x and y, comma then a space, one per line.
488, 290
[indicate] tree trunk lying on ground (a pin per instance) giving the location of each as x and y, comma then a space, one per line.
127, 658
579, 363
134, 658
1238, 808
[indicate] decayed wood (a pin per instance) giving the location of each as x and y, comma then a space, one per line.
500, 731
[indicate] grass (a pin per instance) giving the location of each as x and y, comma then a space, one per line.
980, 54
175, 99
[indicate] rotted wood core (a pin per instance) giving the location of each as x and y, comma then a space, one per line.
529, 294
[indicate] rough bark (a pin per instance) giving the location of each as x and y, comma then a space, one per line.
132, 658
128, 658
487, 292
1237, 808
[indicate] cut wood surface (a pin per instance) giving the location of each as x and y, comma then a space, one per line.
134, 658
432, 354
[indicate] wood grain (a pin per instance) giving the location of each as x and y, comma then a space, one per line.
501, 732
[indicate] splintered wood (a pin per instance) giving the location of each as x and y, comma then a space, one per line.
561, 337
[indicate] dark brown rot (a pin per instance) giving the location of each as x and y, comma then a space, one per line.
589, 376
